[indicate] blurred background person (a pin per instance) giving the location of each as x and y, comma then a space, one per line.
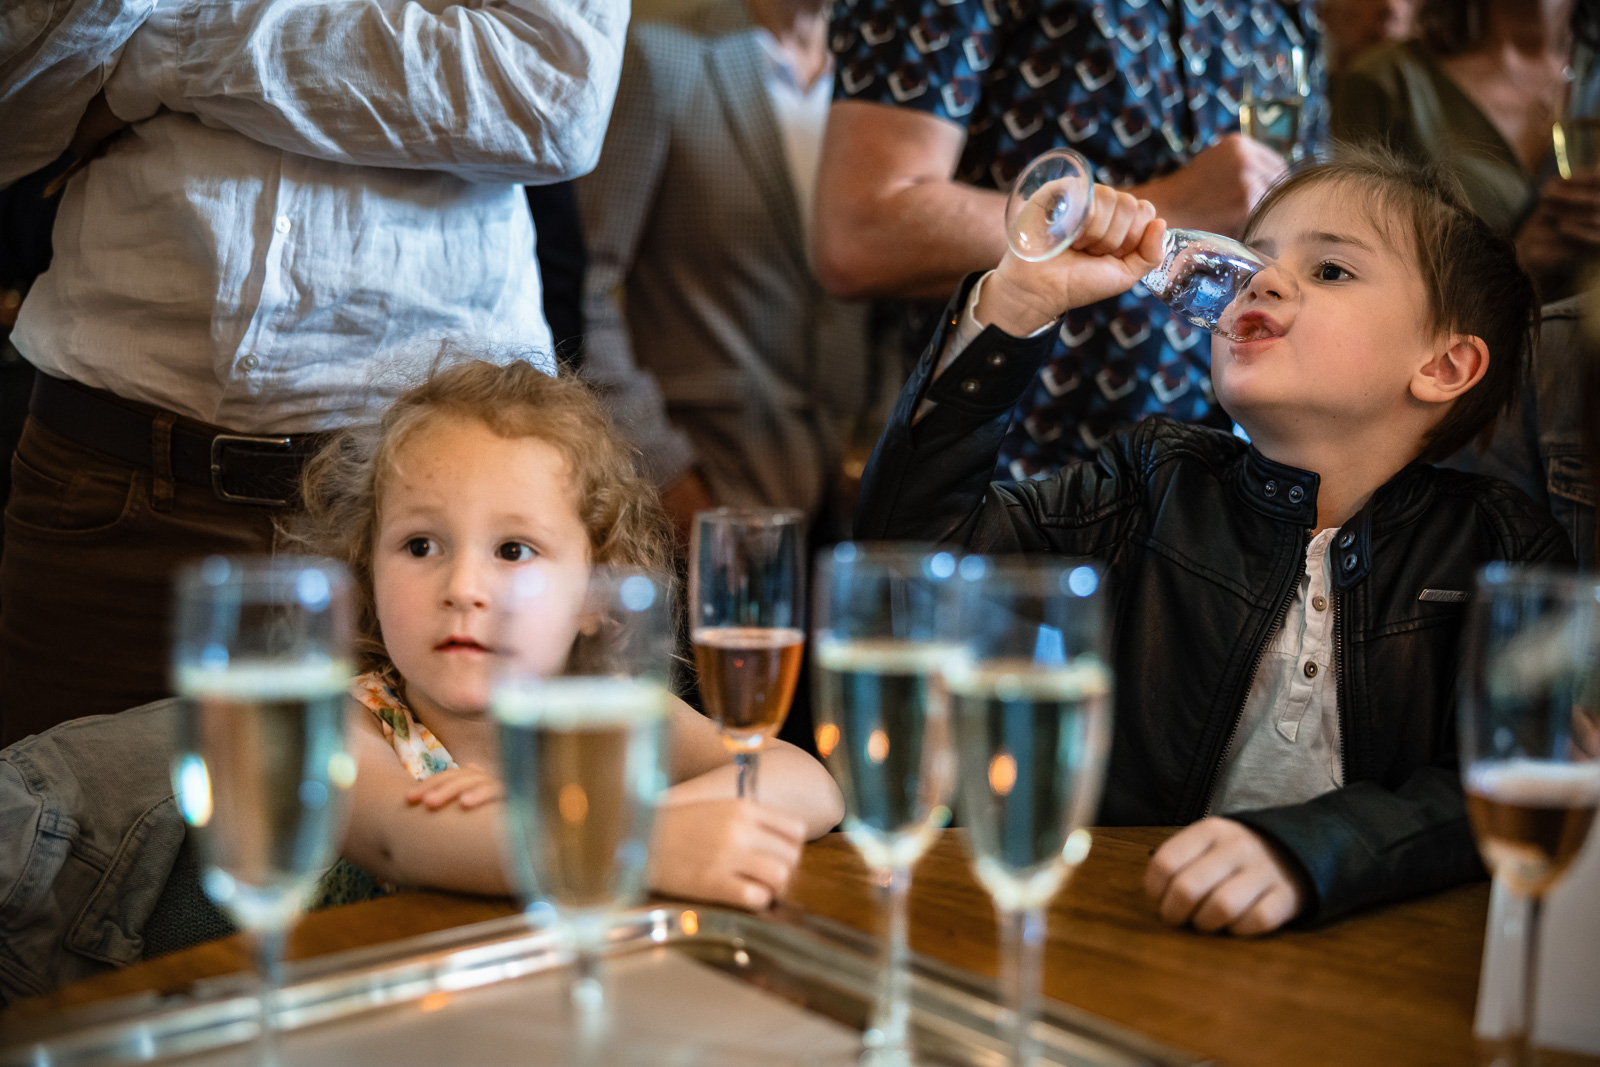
1479, 90
1353, 27
940, 103
713, 343
271, 225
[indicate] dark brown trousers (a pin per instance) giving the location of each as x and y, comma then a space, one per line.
91, 545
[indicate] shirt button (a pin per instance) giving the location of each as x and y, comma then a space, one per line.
38, 11
249, 363
1319, 602
1296, 494
282, 225
1311, 669
970, 386
1270, 489
998, 359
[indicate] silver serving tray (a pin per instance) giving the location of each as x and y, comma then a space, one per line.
806, 980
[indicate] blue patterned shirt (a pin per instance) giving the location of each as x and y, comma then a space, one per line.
1138, 87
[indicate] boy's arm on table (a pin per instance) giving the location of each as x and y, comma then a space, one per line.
487, 90
1364, 844
453, 847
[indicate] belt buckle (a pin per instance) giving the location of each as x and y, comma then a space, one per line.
219, 442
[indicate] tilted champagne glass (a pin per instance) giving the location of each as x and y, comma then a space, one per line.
581, 704
1530, 740
881, 639
1030, 704
746, 613
1200, 275
262, 657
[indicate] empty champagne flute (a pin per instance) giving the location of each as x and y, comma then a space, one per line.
1031, 708
1200, 274
581, 704
746, 619
262, 657
882, 636
1530, 740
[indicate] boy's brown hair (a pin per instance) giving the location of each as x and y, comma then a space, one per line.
343, 485
1474, 283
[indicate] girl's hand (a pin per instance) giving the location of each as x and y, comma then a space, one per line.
1120, 244
1217, 874
468, 784
734, 852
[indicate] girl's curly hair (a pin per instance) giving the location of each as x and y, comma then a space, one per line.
342, 487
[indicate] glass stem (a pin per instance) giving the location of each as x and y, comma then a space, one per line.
891, 1029
746, 762
588, 1005
1021, 973
1526, 1050
269, 946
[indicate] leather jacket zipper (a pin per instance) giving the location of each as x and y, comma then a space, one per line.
1255, 667
1339, 689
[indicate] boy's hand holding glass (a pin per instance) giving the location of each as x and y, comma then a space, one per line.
1218, 874
1120, 243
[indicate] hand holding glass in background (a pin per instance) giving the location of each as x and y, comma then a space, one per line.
262, 656
746, 613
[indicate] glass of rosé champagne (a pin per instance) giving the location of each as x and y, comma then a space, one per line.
746, 622
1530, 741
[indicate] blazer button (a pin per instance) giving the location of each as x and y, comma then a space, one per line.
1270, 489
1296, 494
1311, 669
997, 359
970, 386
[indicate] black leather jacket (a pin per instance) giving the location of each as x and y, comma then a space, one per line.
1204, 540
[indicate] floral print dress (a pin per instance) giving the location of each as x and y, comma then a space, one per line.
418, 751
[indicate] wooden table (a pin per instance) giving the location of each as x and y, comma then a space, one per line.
1393, 986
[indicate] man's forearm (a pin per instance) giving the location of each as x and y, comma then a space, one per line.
922, 238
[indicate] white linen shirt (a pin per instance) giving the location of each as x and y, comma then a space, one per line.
314, 193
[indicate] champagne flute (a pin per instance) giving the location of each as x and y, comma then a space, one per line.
881, 633
1575, 134
746, 612
262, 656
1031, 708
581, 705
1270, 111
1200, 274
1530, 739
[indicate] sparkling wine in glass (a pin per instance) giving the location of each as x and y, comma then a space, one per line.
1031, 709
746, 614
882, 637
1200, 275
1575, 135
1271, 107
1530, 739
262, 658
582, 707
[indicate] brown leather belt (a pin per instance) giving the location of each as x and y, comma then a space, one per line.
239, 468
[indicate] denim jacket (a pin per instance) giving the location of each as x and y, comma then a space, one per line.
1539, 447
89, 832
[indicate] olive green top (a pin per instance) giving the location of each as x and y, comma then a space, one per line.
1399, 94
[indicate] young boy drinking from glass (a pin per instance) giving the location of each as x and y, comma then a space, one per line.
1286, 613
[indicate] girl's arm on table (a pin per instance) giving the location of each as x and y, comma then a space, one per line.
789, 779
452, 847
